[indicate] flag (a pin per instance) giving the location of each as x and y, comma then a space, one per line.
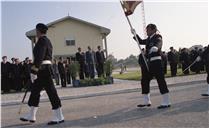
129, 6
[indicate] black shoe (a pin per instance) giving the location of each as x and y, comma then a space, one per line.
143, 105
55, 122
205, 94
24, 120
163, 106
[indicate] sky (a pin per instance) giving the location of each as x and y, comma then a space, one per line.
181, 24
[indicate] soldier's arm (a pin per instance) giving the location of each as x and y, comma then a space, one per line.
41, 50
143, 42
157, 46
159, 42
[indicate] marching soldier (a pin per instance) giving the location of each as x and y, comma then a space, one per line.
41, 75
205, 57
100, 59
153, 53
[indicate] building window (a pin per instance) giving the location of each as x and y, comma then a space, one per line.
70, 42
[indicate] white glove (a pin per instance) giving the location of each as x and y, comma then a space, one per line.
33, 77
198, 59
133, 31
153, 49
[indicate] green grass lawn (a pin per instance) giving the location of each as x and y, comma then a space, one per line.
136, 75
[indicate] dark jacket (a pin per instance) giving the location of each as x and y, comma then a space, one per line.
61, 68
172, 57
80, 58
5, 69
42, 51
156, 40
89, 57
100, 58
184, 58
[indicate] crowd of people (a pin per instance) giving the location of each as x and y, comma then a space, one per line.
89, 62
16, 74
183, 58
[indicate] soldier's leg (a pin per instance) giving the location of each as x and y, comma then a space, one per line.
52, 93
207, 70
157, 71
53, 97
145, 85
33, 102
35, 93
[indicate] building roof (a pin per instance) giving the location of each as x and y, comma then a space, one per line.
103, 30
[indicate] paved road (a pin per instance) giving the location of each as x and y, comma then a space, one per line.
189, 110
118, 86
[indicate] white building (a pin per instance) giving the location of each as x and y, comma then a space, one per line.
69, 33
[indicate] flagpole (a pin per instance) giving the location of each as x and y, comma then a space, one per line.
143, 18
134, 33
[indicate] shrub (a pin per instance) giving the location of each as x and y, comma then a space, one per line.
108, 68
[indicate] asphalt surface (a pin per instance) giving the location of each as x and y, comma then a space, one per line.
118, 110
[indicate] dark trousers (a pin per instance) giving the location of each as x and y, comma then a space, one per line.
5, 84
44, 81
100, 69
56, 77
207, 70
173, 67
184, 66
155, 70
63, 79
18, 83
81, 72
68, 78
25, 80
165, 68
90, 71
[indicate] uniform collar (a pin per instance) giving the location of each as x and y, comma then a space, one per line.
152, 35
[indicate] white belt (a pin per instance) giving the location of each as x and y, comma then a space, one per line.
155, 58
46, 62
